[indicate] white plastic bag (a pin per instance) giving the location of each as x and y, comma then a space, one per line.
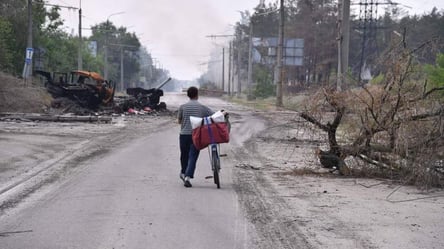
218, 117
195, 122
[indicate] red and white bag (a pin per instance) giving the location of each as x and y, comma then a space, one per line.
210, 132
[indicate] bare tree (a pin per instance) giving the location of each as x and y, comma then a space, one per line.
394, 126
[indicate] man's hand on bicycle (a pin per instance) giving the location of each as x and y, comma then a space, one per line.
225, 113
227, 120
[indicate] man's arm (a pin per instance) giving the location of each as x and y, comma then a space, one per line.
209, 111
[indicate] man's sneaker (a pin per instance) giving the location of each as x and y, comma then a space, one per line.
187, 182
182, 176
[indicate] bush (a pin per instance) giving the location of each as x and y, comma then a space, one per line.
436, 73
395, 127
265, 87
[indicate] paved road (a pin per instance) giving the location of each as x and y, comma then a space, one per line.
133, 198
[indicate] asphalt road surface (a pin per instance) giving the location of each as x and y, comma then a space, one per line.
132, 197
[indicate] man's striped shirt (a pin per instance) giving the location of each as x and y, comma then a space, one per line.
191, 108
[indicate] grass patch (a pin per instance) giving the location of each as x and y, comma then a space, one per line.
294, 103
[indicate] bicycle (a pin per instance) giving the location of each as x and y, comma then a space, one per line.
213, 151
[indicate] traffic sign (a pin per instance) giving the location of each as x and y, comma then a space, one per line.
29, 53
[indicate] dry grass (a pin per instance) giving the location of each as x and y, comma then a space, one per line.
16, 96
268, 104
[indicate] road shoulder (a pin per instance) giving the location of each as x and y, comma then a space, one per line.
291, 201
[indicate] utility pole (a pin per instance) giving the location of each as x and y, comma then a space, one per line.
29, 49
230, 57
79, 59
343, 42
232, 68
250, 60
238, 63
105, 69
278, 79
30, 29
223, 58
122, 46
80, 45
223, 69
368, 26
121, 69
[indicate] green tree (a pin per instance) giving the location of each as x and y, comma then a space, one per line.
6, 46
315, 22
57, 48
118, 42
60, 51
264, 87
14, 13
436, 74
92, 63
420, 29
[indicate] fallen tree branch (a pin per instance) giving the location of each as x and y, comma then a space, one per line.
312, 120
427, 115
426, 94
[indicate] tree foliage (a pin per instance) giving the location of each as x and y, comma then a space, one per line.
436, 72
264, 87
14, 17
6, 45
118, 43
317, 23
56, 50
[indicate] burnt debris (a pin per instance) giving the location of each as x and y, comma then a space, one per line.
83, 92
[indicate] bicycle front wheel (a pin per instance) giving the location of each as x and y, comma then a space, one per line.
215, 161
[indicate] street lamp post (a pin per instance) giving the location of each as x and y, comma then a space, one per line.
105, 69
122, 46
121, 70
223, 69
79, 58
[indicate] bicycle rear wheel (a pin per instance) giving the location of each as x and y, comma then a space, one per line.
215, 162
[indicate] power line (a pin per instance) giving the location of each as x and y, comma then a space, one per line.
182, 55
60, 6
218, 36
209, 62
368, 24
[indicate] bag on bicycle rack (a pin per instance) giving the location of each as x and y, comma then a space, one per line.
210, 133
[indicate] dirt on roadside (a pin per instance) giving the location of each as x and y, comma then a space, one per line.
291, 201
294, 203
37, 153
16, 95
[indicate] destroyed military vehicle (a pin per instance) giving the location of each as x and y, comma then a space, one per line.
140, 98
88, 89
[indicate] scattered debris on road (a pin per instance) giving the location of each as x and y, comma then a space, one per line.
53, 118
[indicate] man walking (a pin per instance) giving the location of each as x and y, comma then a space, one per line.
189, 153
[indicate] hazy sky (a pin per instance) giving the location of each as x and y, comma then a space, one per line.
174, 31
